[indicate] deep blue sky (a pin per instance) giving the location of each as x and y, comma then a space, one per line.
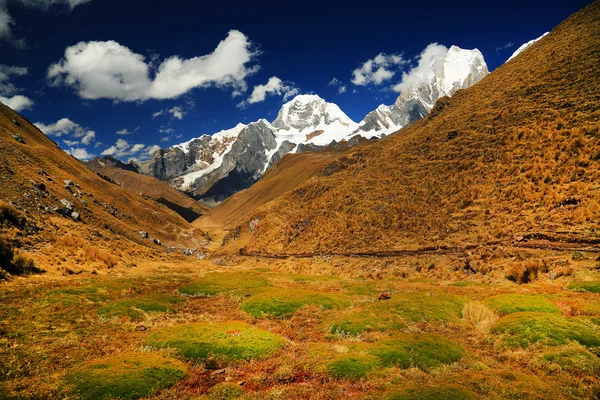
300, 42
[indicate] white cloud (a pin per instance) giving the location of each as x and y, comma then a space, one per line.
79, 153
6, 71
127, 132
88, 137
8, 89
73, 132
123, 148
17, 103
150, 150
274, 86
377, 70
176, 112
339, 84
6, 22
430, 63
110, 70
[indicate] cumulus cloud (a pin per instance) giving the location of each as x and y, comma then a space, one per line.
8, 89
17, 103
377, 70
176, 112
123, 148
110, 70
7, 22
430, 63
274, 86
127, 132
337, 83
72, 132
79, 153
150, 150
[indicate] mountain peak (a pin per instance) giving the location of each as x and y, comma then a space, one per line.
308, 111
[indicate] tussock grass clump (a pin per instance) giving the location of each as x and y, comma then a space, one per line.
431, 393
422, 351
225, 391
137, 308
418, 306
216, 283
222, 342
512, 303
482, 317
15, 263
574, 359
591, 286
526, 328
284, 302
82, 251
352, 366
522, 273
126, 376
10, 215
366, 321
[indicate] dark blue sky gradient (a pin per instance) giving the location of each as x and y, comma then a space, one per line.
304, 42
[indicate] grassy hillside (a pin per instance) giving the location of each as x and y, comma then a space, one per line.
290, 172
67, 217
159, 191
517, 154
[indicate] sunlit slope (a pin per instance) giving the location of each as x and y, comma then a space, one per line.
292, 171
60, 198
517, 153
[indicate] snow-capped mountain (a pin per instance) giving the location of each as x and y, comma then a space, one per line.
442, 76
215, 167
525, 46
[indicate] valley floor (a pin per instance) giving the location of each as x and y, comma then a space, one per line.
415, 327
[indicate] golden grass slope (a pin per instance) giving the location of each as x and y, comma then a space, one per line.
148, 186
290, 172
517, 153
31, 181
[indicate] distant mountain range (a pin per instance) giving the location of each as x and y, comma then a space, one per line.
213, 167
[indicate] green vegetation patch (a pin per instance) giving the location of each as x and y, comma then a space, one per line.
284, 302
526, 328
512, 303
126, 376
592, 286
225, 391
352, 366
575, 359
366, 321
137, 307
224, 342
216, 283
419, 306
432, 393
422, 351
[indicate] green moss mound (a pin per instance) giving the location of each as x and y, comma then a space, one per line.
127, 376
422, 351
574, 359
593, 286
137, 308
223, 342
419, 306
357, 323
225, 391
216, 283
284, 302
512, 303
526, 328
432, 393
352, 366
